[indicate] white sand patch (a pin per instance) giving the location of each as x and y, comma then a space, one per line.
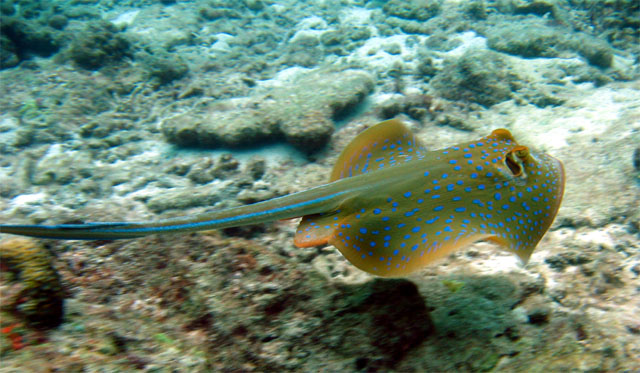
497, 263
374, 55
598, 111
313, 26
221, 44
8, 123
312, 23
28, 199
589, 111
355, 16
126, 18
599, 238
305, 34
378, 98
283, 77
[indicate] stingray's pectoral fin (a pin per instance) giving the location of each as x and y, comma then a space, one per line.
316, 229
87, 231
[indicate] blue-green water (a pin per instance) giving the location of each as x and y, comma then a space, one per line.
143, 110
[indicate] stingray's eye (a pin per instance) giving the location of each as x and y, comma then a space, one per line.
515, 158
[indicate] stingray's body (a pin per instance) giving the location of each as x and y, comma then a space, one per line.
391, 206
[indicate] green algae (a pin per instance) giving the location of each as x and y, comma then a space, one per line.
453, 285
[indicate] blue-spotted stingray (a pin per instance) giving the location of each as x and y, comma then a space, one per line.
391, 206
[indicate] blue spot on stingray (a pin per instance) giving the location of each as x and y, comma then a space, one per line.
377, 211
438, 208
415, 229
396, 252
453, 161
481, 187
474, 175
407, 195
372, 243
435, 196
497, 196
363, 230
460, 209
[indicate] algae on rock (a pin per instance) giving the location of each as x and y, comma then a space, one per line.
301, 113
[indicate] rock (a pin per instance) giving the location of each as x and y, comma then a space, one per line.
58, 21
596, 51
477, 76
183, 198
7, 8
419, 10
256, 167
98, 45
311, 133
539, 8
58, 166
19, 39
568, 258
162, 66
8, 55
480, 308
526, 39
301, 113
202, 171
415, 106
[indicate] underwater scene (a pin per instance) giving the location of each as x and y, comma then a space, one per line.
320, 186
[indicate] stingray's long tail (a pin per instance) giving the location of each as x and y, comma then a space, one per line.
312, 201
